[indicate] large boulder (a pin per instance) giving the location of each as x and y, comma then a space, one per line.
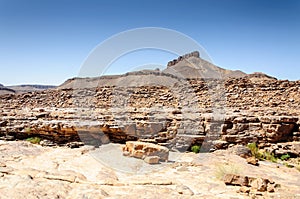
142, 150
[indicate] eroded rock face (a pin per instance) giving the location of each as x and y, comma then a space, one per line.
180, 58
257, 109
147, 151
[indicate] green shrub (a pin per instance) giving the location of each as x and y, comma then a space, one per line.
196, 148
34, 140
270, 156
255, 152
261, 155
285, 157
253, 148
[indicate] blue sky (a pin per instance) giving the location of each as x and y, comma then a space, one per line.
46, 41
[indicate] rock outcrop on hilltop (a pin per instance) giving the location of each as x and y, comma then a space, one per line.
192, 66
195, 54
160, 108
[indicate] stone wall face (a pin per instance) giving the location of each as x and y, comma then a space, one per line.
265, 112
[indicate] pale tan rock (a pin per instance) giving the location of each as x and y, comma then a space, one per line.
252, 160
2, 164
271, 188
152, 159
259, 184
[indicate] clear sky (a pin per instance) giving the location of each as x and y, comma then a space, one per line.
46, 41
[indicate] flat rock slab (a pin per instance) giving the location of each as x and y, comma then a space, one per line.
63, 172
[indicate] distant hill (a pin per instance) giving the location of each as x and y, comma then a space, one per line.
23, 88
189, 66
29, 88
6, 90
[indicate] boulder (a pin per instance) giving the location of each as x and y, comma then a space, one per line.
143, 149
232, 179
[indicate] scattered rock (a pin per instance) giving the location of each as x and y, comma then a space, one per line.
232, 179
260, 184
244, 189
2, 164
8, 138
249, 183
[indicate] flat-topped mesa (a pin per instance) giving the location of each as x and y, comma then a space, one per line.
180, 58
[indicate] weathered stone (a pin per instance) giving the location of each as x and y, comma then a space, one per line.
75, 144
241, 150
260, 184
278, 132
232, 179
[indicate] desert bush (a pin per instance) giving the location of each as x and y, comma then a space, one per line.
34, 140
196, 148
229, 168
270, 156
254, 150
285, 157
